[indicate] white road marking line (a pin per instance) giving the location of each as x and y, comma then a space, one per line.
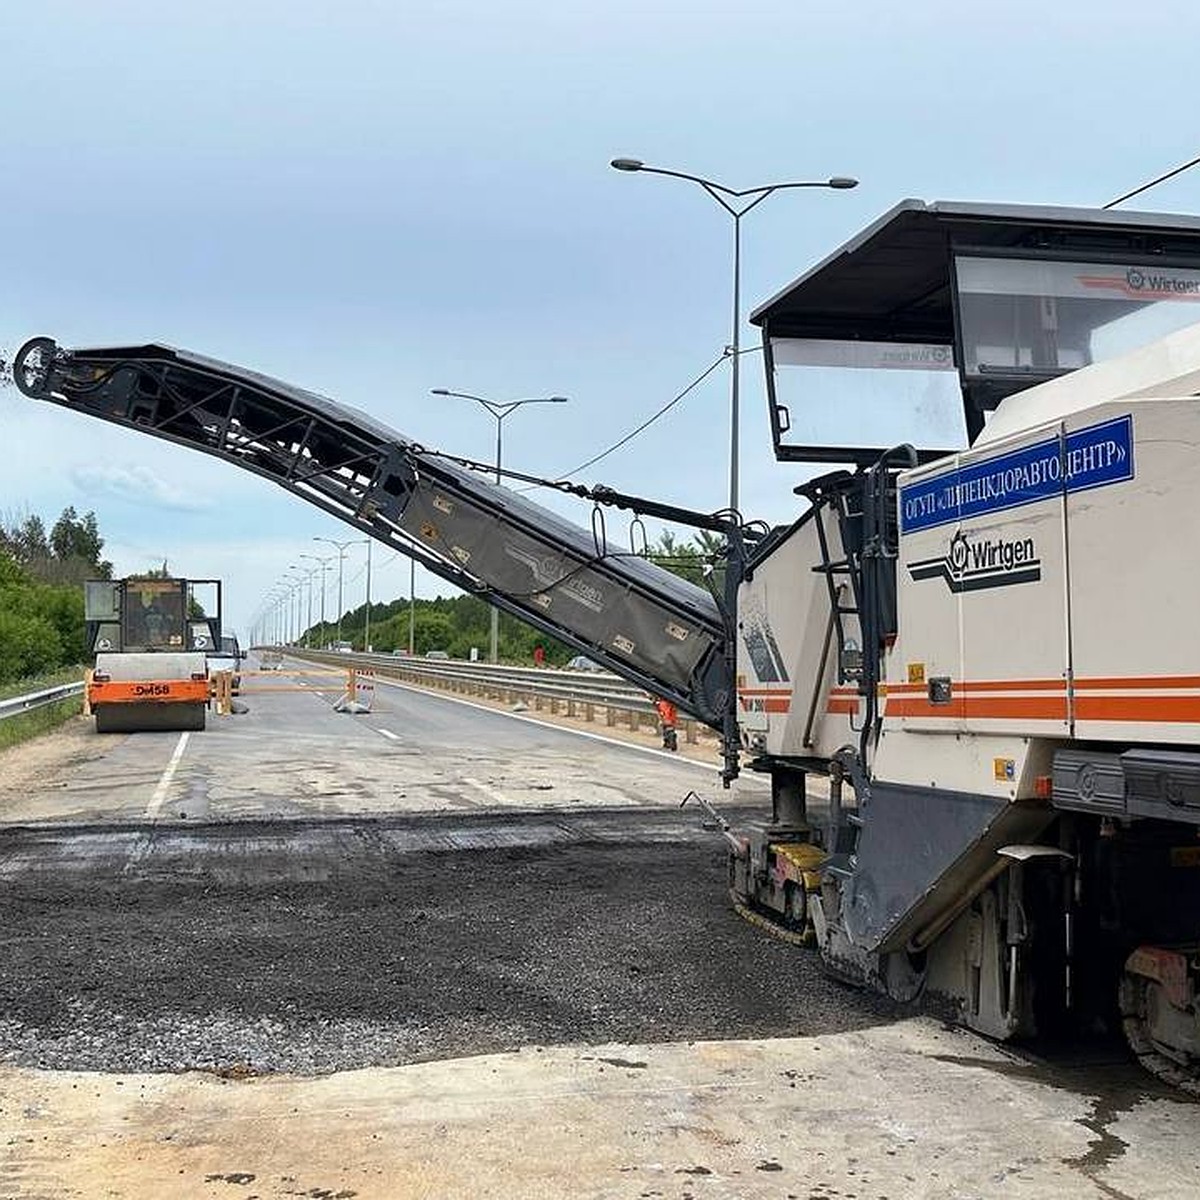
496, 797
677, 759
387, 733
160, 792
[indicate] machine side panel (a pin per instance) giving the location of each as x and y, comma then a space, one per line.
1134, 580
988, 535
524, 566
790, 703
928, 648
1014, 600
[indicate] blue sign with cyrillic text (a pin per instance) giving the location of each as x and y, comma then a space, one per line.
1094, 457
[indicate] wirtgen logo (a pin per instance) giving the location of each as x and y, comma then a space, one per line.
1161, 284
968, 566
1147, 284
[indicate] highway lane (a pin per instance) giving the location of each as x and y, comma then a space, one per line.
292, 756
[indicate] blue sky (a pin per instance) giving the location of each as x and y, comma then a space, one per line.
374, 199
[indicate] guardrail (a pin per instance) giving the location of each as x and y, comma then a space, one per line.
14, 706
575, 693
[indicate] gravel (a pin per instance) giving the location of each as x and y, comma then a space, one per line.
323, 956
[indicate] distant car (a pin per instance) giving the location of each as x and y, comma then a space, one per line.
436, 654
271, 660
582, 663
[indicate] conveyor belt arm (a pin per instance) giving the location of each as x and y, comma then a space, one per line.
649, 626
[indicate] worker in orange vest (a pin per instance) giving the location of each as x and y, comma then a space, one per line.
667, 718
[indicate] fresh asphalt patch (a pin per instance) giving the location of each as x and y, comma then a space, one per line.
253, 947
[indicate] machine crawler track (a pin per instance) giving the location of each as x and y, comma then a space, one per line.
770, 924
1184, 1077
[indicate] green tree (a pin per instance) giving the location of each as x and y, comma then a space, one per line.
29, 645
41, 600
25, 538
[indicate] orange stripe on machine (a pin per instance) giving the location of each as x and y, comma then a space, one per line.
1046, 700
842, 701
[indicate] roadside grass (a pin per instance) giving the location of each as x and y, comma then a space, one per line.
32, 724
37, 682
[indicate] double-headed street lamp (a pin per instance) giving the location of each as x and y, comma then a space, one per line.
342, 547
499, 410
307, 574
278, 619
728, 199
323, 566
295, 594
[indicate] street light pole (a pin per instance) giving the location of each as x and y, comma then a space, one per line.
294, 583
341, 557
412, 604
723, 196
276, 600
308, 628
306, 575
367, 631
499, 410
342, 547
324, 565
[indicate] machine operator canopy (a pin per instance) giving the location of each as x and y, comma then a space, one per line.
918, 327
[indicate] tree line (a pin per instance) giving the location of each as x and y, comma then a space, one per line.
41, 593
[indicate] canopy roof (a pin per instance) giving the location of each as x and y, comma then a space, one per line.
892, 282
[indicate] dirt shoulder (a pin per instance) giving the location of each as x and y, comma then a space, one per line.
44, 763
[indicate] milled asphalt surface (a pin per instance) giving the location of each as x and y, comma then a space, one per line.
310, 894
344, 949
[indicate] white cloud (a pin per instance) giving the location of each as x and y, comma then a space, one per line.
138, 484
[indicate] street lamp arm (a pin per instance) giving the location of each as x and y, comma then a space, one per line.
459, 395
498, 409
838, 182
626, 164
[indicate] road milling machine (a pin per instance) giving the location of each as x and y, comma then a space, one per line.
150, 636
980, 632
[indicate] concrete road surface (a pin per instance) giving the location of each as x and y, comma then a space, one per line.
291, 755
